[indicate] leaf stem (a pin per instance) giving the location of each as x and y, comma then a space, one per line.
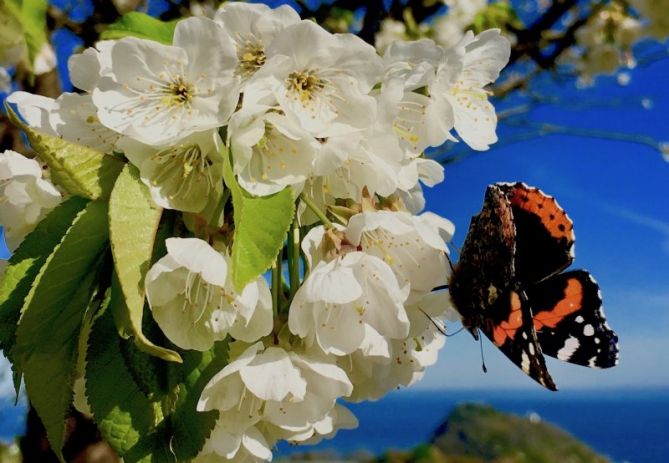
276, 284
316, 210
294, 257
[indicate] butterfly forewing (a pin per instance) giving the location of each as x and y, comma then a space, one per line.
544, 233
570, 321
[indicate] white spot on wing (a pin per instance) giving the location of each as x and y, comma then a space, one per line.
579, 319
530, 347
591, 362
588, 330
568, 349
525, 362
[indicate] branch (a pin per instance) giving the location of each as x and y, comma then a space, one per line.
529, 39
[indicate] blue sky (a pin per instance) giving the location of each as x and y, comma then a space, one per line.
617, 194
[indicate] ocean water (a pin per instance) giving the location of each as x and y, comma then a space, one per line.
627, 426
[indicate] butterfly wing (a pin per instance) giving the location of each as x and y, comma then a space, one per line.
570, 322
544, 233
510, 327
485, 268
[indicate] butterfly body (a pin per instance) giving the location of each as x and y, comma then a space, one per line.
507, 284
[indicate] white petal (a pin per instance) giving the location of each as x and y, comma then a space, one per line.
272, 376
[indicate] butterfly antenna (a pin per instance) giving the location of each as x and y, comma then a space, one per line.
438, 326
450, 262
485, 369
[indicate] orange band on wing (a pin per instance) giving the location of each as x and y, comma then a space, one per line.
508, 328
572, 302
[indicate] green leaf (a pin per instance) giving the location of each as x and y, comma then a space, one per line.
79, 170
261, 224
27, 261
122, 412
31, 14
153, 447
192, 428
48, 331
143, 26
133, 222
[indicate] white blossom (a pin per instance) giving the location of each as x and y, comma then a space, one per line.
270, 151
374, 373
185, 175
71, 116
459, 88
344, 302
253, 27
428, 91
88, 67
322, 80
266, 393
413, 246
450, 27
194, 302
25, 196
159, 94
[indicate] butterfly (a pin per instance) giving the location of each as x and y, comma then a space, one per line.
509, 283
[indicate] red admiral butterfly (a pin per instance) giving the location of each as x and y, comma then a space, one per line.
508, 284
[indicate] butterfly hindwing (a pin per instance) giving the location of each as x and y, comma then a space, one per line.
544, 233
510, 327
570, 322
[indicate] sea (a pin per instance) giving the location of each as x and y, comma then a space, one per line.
628, 426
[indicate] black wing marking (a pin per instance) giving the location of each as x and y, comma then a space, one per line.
570, 322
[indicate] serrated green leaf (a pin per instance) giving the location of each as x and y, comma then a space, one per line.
120, 409
48, 331
79, 170
261, 224
153, 447
192, 428
26, 262
31, 14
143, 26
133, 222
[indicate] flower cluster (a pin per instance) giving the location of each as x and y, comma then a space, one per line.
606, 42
258, 100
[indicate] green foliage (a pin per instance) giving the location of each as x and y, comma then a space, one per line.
190, 427
31, 15
261, 224
27, 261
79, 170
48, 332
148, 372
140, 25
118, 377
121, 410
500, 15
133, 222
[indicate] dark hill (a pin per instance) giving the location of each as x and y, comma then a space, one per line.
480, 434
